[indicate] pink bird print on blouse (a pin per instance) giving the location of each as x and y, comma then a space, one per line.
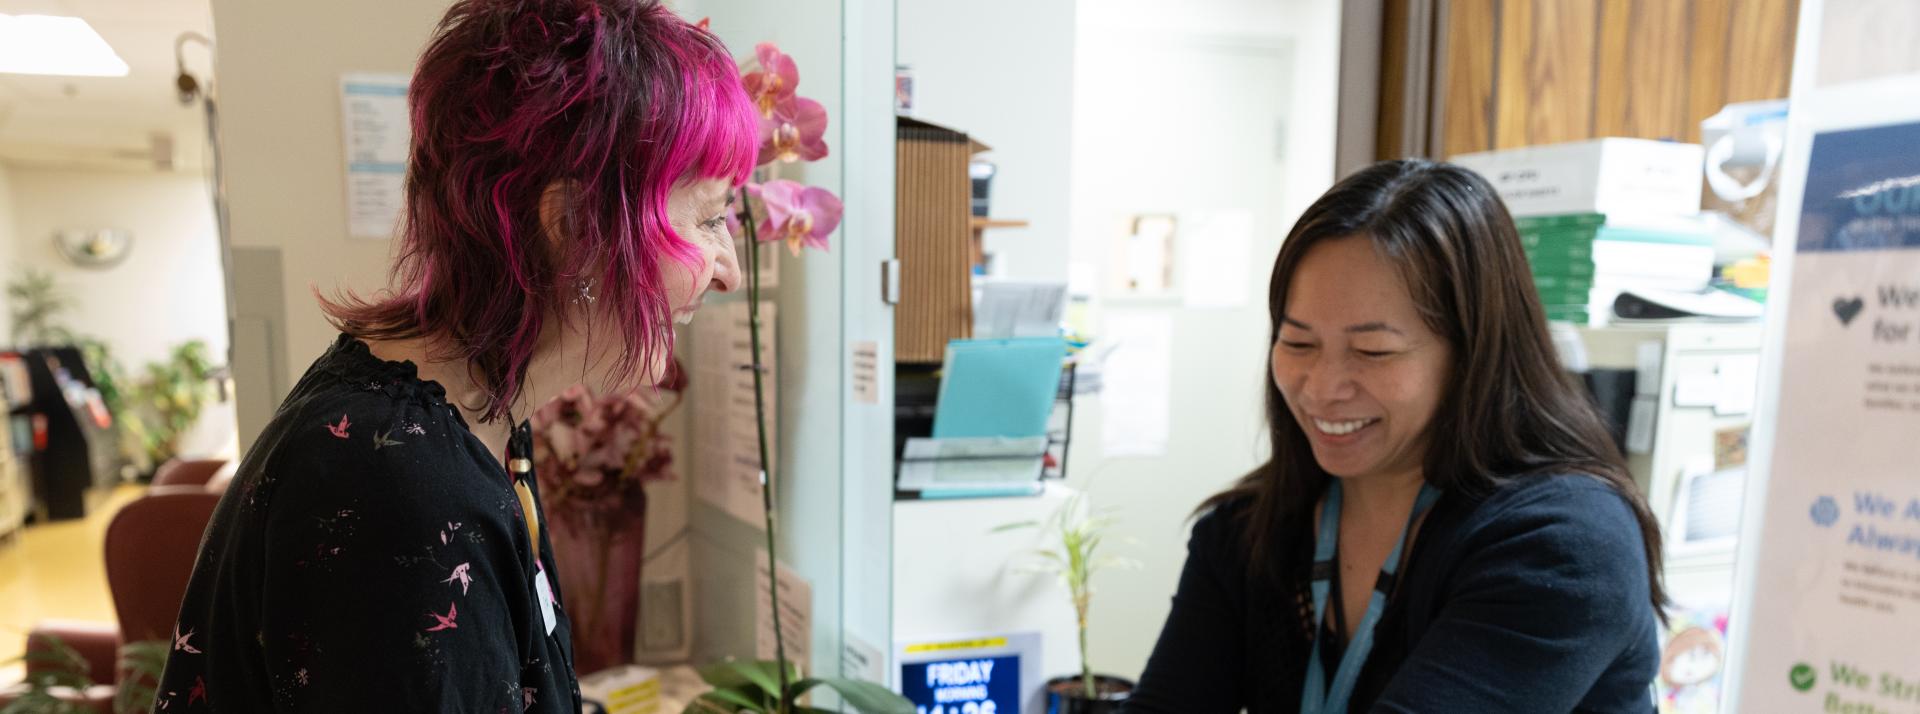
180, 641
340, 430
199, 691
447, 621
460, 574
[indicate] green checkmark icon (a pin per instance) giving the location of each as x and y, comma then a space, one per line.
1802, 677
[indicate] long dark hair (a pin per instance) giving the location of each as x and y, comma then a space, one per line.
1509, 410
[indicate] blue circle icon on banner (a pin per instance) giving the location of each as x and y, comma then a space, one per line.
1825, 512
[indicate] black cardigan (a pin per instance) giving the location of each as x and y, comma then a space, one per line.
1532, 599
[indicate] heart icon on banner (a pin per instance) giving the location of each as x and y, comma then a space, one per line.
1846, 309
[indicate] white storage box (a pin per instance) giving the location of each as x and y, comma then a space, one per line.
1600, 176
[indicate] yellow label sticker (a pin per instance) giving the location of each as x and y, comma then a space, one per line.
960, 645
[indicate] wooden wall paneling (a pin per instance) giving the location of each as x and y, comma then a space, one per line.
1563, 70
1641, 87
1760, 49
1511, 70
1612, 88
1707, 62
1389, 132
1466, 84
1547, 71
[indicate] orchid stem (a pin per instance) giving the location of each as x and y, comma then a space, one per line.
766, 465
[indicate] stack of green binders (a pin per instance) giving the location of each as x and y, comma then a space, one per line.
1560, 250
1582, 261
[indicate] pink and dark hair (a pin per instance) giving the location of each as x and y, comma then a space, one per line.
612, 101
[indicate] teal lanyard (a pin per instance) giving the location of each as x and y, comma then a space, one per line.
1319, 695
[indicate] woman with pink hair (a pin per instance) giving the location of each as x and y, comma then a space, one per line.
381, 547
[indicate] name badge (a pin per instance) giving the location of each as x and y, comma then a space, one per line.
545, 593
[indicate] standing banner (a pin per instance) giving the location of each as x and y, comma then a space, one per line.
1827, 610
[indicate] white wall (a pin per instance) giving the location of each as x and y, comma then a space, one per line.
1191, 109
1003, 71
279, 68
169, 289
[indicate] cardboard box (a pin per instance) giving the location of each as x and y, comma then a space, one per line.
933, 239
1598, 176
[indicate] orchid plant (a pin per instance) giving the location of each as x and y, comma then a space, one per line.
772, 209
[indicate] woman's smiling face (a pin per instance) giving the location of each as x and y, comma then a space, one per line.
1359, 369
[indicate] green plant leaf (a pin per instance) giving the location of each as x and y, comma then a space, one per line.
739, 700
865, 697
39, 702
49, 680
708, 704
142, 663
735, 674
1015, 526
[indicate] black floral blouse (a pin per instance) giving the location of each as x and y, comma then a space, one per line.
371, 556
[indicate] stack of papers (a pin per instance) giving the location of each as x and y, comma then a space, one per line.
963, 468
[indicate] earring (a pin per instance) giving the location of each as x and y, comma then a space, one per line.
585, 288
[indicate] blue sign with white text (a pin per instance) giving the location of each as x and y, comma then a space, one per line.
1863, 190
972, 685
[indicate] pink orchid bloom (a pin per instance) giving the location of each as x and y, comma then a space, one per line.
797, 213
776, 79
795, 131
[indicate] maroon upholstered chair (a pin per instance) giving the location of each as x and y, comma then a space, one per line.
187, 472
151, 545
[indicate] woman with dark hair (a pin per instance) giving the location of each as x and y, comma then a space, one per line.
1445, 524
380, 548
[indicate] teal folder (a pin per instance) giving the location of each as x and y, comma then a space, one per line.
1002, 388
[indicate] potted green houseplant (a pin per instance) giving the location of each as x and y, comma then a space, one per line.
1076, 531
60, 676
168, 400
35, 304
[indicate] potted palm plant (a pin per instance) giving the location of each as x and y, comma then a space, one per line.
1076, 531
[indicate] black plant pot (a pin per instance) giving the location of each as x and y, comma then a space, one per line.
1068, 695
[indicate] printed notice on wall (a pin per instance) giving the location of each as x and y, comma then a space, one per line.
1835, 578
866, 372
721, 399
374, 126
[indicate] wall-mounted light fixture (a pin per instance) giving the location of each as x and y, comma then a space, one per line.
97, 248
